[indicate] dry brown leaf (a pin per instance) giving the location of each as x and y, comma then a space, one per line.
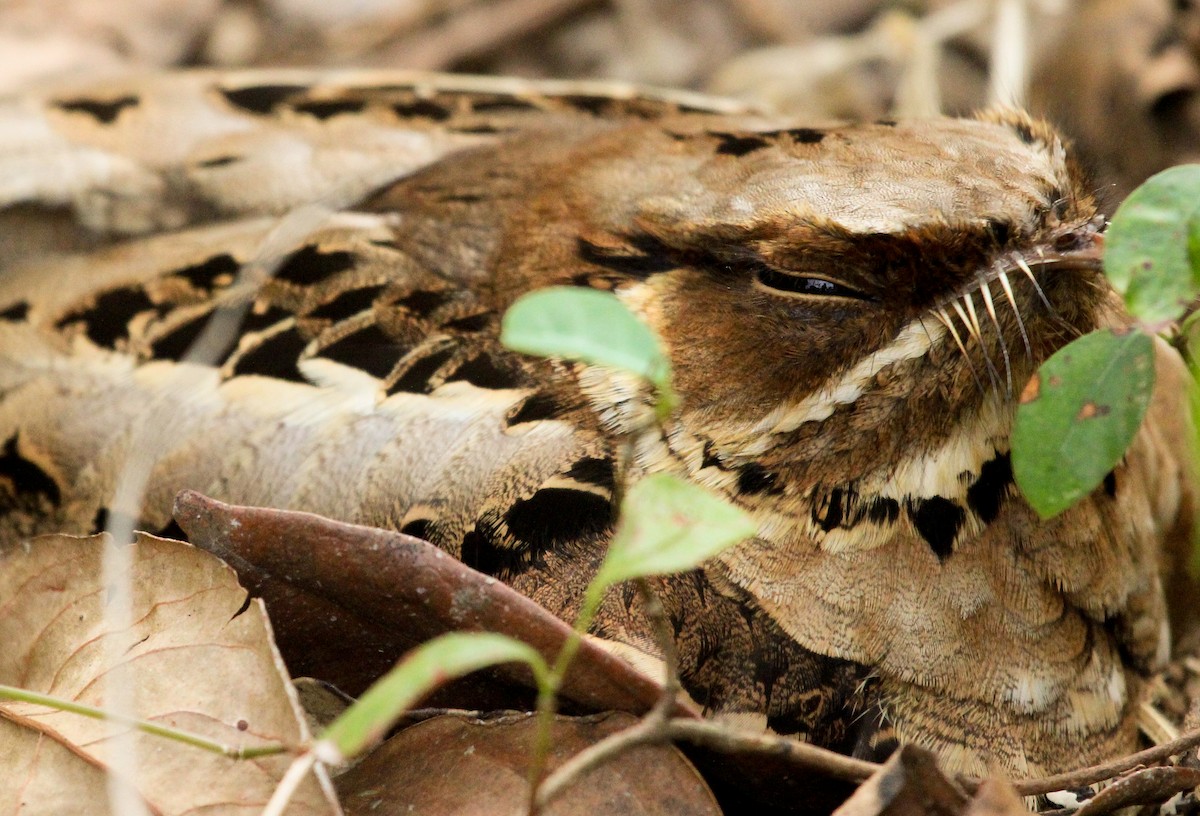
43, 775
908, 784
333, 587
996, 797
197, 660
469, 767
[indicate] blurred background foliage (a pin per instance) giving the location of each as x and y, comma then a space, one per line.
1120, 77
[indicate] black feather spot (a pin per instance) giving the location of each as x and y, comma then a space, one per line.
218, 161
886, 122
256, 321
1001, 231
938, 521
310, 265
461, 198
1110, 484
593, 471
422, 302
416, 379
502, 104
419, 528
834, 511
348, 303
99, 521
276, 356
484, 371
25, 479
102, 111
422, 109
554, 516
471, 323
883, 510
597, 105
261, 99
731, 144
324, 109
987, 492
479, 129
1024, 132
710, 458
536, 408
480, 552
175, 343
754, 478
210, 273
108, 320
639, 264
806, 135
18, 311
367, 349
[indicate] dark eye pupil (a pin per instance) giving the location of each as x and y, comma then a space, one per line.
803, 285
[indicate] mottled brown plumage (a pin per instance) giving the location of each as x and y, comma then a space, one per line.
849, 311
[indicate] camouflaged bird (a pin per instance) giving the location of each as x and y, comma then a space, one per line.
848, 310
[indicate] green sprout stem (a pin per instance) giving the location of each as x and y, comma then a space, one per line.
58, 703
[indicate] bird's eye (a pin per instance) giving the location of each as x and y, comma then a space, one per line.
803, 284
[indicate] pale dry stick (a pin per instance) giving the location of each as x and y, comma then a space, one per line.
651, 729
286, 789
121, 779
918, 91
146, 440
1008, 75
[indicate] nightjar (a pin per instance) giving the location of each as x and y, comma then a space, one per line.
849, 311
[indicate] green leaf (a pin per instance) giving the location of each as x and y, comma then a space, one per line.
1153, 244
444, 658
1078, 416
669, 525
588, 325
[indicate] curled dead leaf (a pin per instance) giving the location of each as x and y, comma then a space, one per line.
331, 586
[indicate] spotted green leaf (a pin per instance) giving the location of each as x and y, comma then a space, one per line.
1078, 416
669, 525
1152, 253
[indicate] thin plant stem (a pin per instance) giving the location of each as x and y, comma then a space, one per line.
25, 696
651, 729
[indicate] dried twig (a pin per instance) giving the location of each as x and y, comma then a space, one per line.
729, 740
1097, 773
